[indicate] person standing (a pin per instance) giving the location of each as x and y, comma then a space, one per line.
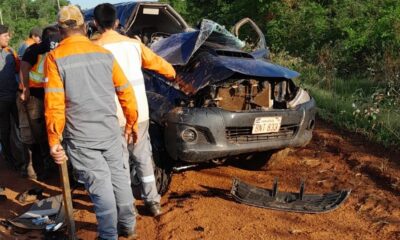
132, 55
82, 80
34, 38
30, 102
9, 67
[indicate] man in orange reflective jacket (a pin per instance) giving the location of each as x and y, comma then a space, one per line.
82, 80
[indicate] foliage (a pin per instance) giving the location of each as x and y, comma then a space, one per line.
22, 15
348, 36
359, 104
346, 50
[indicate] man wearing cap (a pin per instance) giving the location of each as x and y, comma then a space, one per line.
34, 37
9, 67
132, 55
30, 102
82, 80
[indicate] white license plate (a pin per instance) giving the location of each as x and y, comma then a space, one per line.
266, 125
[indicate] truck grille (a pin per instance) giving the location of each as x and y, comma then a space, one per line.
243, 134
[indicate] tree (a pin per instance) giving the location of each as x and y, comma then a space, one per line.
22, 15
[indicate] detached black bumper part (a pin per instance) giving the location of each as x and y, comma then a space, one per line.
285, 201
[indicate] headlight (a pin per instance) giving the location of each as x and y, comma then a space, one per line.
189, 135
301, 97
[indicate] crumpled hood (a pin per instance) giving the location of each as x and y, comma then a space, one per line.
179, 49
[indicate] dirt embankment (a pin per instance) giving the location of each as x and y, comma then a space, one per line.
198, 205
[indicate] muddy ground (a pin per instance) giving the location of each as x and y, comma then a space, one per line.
198, 205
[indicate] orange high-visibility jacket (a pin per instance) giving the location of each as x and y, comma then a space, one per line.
81, 81
36, 75
132, 56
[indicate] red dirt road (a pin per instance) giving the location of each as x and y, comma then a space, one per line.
198, 205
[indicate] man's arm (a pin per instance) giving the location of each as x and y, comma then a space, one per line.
54, 102
153, 62
24, 80
127, 99
17, 61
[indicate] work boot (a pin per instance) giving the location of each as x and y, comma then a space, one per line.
128, 234
153, 207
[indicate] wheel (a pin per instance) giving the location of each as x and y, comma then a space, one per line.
162, 171
161, 163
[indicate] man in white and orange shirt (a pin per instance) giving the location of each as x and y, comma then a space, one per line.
132, 56
82, 80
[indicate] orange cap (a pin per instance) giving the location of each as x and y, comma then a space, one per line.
70, 17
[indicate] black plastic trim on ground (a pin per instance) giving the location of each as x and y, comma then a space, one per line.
287, 201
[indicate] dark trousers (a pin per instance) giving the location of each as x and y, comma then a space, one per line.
34, 135
40, 159
7, 109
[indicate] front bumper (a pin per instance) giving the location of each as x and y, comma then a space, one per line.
221, 133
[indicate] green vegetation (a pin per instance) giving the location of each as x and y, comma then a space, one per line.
22, 15
347, 52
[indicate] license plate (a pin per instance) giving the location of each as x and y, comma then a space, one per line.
266, 125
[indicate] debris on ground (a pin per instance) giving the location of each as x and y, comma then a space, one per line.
286, 201
44, 214
30, 196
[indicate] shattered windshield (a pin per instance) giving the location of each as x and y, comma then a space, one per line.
213, 32
179, 48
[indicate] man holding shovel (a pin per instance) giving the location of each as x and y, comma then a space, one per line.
82, 80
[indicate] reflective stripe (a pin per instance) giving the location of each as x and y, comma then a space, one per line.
124, 205
50, 90
148, 179
121, 88
40, 67
36, 75
84, 63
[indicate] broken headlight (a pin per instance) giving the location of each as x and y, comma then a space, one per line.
301, 97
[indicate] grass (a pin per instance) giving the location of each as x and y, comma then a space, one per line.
339, 105
355, 103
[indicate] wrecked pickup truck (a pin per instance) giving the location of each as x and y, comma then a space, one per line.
232, 100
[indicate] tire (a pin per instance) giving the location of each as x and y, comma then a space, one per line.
161, 163
162, 171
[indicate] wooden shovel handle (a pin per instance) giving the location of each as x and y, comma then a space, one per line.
69, 211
